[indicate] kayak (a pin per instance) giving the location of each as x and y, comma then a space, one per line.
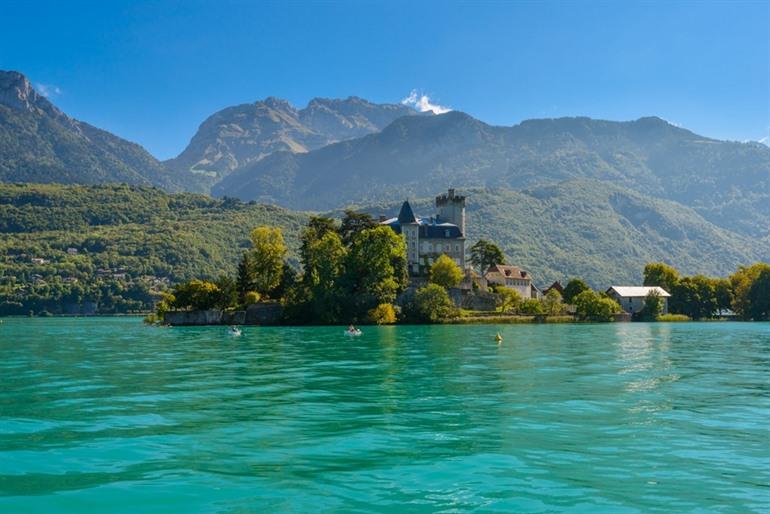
353, 333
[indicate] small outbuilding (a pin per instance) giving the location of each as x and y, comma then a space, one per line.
631, 298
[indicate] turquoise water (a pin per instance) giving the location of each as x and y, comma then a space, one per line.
107, 415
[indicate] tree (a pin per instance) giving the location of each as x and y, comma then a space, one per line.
742, 282
552, 303
316, 228
245, 280
227, 295
445, 272
375, 269
532, 307
653, 306
485, 254
694, 297
724, 294
661, 275
383, 314
759, 296
432, 304
196, 294
326, 262
353, 223
266, 259
574, 288
508, 299
592, 306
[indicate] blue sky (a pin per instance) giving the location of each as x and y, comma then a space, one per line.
153, 71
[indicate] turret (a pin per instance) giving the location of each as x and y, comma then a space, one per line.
451, 209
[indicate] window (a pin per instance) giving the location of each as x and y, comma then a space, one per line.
446, 232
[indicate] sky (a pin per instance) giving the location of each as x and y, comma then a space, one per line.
152, 71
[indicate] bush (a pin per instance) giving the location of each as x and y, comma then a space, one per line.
508, 299
196, 294
591, 306
445, 272
251, 298
673, 317
432, 304
532, 307
383, 314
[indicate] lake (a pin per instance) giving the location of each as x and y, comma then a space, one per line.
108, 415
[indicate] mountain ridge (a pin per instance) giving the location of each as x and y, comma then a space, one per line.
40, 143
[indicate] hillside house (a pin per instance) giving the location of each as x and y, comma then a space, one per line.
511, 277
631, 298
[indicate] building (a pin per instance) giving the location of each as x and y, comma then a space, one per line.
631, 298
428, 238
556, 286
511, 277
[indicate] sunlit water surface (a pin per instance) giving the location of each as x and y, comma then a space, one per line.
107, 415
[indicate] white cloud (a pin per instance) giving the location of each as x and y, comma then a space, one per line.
422, 103
48, 90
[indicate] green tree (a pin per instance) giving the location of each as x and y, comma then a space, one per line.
227, 296
266, 259
326, 263
375, 269
485, 254
445, 272
316, 228
196, 294
432, 304
574, 288
724, 294
245, 280
759, 296
661, 275
532, 307
552, 304
354, 223
742, 282
653, 307
694, 297
592, 306
509, 300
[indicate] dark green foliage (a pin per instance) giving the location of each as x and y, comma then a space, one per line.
131, 242
661, 275
574, 287
353, 223
591, 306
531, 307
759, 296
653, 307
694, 297
485, 254
431, 304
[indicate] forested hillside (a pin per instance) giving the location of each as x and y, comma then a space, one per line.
66, 246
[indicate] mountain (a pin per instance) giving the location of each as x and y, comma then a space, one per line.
727, 182
237, 136
39, 143
601, 232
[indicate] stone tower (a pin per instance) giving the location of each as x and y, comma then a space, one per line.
451, 209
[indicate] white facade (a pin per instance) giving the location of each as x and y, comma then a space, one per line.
631, 298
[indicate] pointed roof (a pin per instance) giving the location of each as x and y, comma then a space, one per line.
406, 214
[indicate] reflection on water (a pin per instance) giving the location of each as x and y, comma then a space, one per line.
106, 415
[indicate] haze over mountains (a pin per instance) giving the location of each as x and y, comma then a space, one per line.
664, 190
